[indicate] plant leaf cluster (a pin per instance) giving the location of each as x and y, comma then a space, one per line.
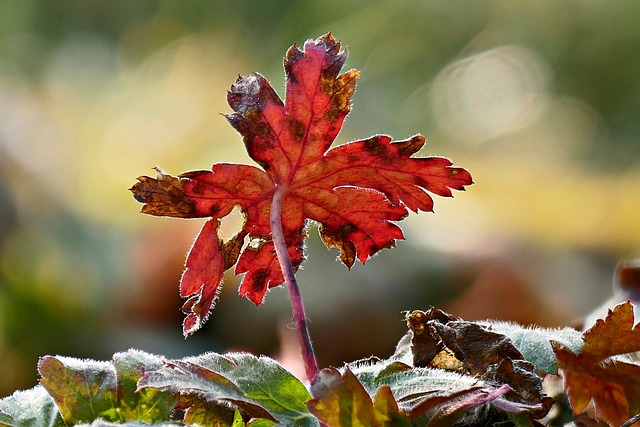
446, 371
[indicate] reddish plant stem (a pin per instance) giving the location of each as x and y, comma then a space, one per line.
297, 306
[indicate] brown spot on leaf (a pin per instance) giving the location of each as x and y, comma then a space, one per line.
374, 146
292, 56
341, 91
260, 128
353, 158
339, 240
337, 57
163, 196
410, 146
297, 128
231, 250
419, 181
259, 283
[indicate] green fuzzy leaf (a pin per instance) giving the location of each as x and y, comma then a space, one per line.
535, 343
237, 419
30, 408
258, 385
83, 389
370, 372
409, 383
86, 390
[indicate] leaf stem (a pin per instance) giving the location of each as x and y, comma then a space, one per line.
297, 306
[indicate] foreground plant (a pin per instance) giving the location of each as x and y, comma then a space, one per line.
445, 371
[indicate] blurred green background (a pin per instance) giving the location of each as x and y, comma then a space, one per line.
540, 100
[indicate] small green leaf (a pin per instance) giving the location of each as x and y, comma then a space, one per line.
30, 408
237, 419
82, 389
535, 343
258, 385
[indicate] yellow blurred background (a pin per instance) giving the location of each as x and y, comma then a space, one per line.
539, 100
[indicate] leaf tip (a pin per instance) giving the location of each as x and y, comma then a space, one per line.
190, 325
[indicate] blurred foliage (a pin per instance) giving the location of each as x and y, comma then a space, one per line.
538, 99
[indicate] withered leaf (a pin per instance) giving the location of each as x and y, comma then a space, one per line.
425, 342
442, 341
598, 380
476, 347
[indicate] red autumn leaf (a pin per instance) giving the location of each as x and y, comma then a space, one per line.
355, 191
594, 382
